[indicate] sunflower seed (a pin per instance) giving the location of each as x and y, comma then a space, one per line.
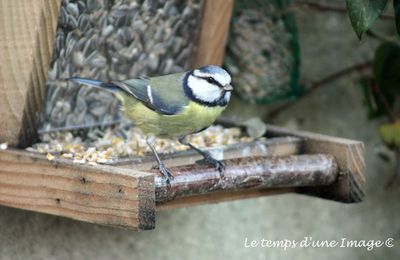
73, 9
106, 31
83, 22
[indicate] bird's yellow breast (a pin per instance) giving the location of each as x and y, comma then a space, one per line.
192, 118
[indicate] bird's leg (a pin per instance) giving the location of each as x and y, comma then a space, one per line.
160, 165
207, 158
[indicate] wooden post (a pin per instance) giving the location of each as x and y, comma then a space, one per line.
248, 173
27, 30
214, 32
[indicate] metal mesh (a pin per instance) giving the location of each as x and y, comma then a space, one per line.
263, 52
114, 40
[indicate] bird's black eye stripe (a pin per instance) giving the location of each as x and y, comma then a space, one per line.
211, 81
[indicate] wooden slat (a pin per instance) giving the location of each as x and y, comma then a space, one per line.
349, 154
214, 32
27, 30
98, 194
282, 146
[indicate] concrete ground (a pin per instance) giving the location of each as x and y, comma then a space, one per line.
219, 231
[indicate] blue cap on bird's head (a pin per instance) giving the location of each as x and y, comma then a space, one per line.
212, 69
220, 76
217, 72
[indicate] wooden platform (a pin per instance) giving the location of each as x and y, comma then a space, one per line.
128, 193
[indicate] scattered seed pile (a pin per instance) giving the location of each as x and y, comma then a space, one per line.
114, 40
259, 54
106, 146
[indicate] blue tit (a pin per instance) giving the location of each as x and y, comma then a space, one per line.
173, 106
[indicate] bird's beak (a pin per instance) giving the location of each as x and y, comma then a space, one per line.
228, 87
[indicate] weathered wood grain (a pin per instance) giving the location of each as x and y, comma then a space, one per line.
214, 32
27, 30
349, 154
100, 194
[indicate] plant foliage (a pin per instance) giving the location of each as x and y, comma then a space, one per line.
363, 13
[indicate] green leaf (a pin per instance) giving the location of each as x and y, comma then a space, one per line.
387, 67
363, 13
396, 7
390, 134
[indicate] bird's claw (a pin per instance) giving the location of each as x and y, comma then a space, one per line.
164, 170
218, 165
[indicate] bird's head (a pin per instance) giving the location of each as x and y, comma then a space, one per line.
209, 85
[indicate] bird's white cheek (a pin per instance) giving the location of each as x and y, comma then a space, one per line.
203, 90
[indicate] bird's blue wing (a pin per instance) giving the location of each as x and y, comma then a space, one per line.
162, 94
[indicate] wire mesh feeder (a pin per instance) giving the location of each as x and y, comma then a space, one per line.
263, 52
114, 40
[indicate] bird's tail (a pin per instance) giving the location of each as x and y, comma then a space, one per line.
95, 83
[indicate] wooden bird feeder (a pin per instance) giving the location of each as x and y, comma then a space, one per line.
127, 194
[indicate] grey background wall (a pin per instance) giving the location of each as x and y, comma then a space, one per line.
216, 231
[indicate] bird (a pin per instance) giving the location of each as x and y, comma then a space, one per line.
172, 106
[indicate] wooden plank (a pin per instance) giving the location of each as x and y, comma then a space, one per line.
104, 195
282, 146
214, 32
349, 154
27, 30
